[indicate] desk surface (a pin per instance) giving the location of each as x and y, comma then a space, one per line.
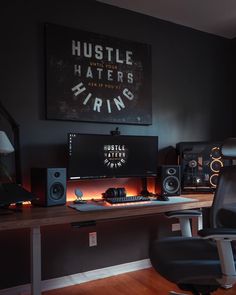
40, 216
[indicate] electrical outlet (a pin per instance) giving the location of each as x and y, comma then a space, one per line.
93, 239
175, 227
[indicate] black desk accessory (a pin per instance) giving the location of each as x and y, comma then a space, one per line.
79, 196
162, 198
112, 192
12, 193
145, 192
115, 132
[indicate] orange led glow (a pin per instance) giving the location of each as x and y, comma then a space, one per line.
127, 204
93, 189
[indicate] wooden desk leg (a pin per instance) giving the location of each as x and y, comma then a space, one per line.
35, 245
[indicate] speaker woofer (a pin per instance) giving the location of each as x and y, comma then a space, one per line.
171, 184
57, 191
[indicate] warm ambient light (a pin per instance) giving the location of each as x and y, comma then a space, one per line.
127, 204
94, 189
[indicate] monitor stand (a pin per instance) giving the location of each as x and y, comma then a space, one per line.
144, 192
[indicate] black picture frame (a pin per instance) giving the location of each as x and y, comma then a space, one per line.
96, 78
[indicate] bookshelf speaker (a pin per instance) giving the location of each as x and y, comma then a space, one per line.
168, 180
49, 186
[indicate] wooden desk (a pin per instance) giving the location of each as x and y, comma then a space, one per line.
36, 217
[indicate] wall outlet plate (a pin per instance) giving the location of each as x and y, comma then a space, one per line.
175, 227
93, 239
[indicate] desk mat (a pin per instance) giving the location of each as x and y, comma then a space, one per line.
98, 207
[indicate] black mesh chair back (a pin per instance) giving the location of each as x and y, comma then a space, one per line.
202, 265
225, 194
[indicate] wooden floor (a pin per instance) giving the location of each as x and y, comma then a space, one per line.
142, 282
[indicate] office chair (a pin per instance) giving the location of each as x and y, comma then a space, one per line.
203, 264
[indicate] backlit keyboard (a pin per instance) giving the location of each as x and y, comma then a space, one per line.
129, 199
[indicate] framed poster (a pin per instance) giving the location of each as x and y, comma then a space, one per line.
96, 78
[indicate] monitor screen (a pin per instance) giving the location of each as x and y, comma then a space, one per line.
103, 156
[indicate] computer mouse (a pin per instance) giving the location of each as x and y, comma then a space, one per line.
162, 198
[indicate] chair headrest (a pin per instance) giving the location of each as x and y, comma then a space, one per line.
228, 148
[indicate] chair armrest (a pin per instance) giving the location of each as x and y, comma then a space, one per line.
184, 217
218, 233
183, 213
223, 238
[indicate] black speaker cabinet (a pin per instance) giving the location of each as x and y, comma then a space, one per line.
200, 165
168, 180
49, 186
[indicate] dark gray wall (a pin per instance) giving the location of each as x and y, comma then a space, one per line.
192, 100
233, 85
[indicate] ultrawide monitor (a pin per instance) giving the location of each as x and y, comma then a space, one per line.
104, 156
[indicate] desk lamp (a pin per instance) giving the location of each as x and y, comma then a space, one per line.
5, 148
5, 144
12, 192
9, 147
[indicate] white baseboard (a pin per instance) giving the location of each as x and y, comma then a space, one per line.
80, 277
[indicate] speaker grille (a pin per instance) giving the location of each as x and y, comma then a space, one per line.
57, 191
168, 180
171, 184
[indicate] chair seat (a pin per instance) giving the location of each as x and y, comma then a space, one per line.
186, 260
